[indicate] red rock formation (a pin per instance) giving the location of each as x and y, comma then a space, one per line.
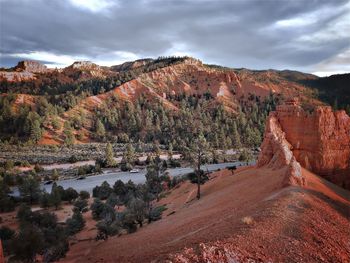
319, 141
24, 71
31, 66
276, 152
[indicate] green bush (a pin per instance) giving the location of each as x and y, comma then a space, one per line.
70, 195
80, 205
106, 228
84, 195
102, 192
76, 223
155, 213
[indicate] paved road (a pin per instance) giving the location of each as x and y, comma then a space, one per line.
111, 177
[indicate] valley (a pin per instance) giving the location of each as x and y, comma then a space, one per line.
212, 164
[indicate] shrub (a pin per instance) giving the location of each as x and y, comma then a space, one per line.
193, 177
70, 194
84, 195
45, 200
6, 233
106, 229
76, 223
73, 159
119, 188
30, 190
38, 168
56, 252
7, 204
128, 221
245, 156
27, 243
102, 192
80, 205
124, 166
113, 200
138, 209
24, 213
155, 213
56, 195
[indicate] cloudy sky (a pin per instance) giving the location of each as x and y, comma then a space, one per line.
306, 35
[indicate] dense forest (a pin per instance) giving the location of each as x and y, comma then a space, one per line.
145, 121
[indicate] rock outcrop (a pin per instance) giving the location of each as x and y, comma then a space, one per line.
319, 141
24, 71
31, 66
276, 152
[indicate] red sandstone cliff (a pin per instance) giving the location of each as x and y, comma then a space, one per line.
319, 141
277, 152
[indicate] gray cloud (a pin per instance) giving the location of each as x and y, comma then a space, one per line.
252, 34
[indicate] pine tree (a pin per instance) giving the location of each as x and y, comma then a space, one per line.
129, 154
55, 196
55, 176
100, 130
110, 162
69, 136
170, 152
35, 131
199, 152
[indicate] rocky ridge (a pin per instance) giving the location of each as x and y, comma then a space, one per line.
276, 152
31, 66
318, 141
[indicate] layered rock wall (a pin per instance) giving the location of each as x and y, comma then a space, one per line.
276, 152
31, 66
319, 141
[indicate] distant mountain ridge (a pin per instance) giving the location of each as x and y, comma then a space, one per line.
87, 88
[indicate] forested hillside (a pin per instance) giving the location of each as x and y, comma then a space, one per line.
165, 100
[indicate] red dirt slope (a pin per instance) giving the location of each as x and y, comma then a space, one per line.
241, 217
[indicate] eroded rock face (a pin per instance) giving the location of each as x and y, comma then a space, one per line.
31, 66
319, 141
25, 70
276, 152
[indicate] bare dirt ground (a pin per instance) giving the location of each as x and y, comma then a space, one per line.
243, 217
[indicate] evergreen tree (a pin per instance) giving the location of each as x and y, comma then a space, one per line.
55, 196
30, 189
28, 243
170, 152
68, 132
236, 137
76, 223
100, 130
35, 131
55, 176
199, 152
109, 155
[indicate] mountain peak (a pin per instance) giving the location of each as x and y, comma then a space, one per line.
83, 65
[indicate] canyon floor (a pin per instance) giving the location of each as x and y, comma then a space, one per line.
248, 216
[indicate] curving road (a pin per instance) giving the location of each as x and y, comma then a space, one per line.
111, 177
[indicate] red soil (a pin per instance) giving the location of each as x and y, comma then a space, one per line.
245, 216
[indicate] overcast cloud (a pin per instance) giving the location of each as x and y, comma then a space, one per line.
305, 35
